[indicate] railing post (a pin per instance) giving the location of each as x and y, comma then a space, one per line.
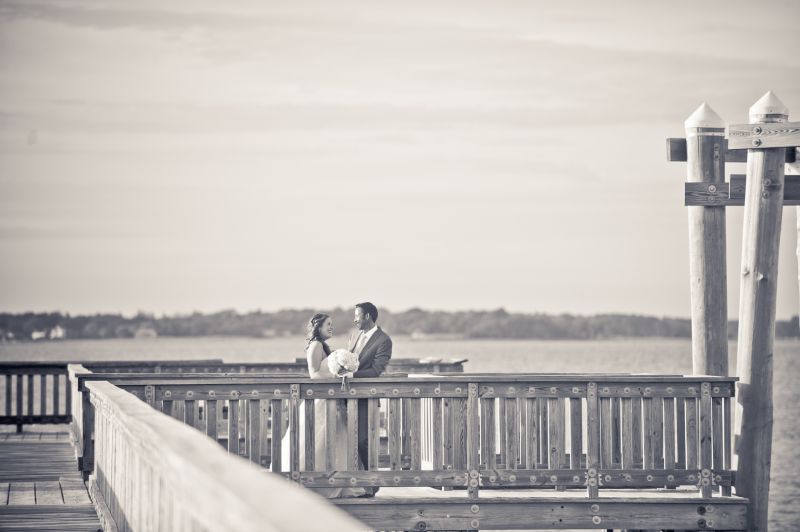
592, 440
87, 408
760, 243
473, 440
705, 162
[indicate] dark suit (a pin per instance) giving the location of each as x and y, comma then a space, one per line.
372, 362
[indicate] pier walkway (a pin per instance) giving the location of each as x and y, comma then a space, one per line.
40, 485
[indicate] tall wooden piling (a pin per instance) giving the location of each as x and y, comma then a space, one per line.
705, 158
760, 243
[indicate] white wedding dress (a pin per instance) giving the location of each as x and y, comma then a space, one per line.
320, 370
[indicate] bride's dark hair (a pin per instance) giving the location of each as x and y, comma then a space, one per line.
314, 334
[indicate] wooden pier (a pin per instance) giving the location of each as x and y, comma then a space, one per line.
199, 445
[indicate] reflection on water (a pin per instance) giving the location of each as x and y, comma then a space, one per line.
610, 356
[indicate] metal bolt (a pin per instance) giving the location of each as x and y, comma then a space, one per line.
757, 130
475, 524
512, 478
474, 508
309, 392
330, 391
373, 391
712, 188
595, 508
596, 519
511, 389
756, 142
416, 391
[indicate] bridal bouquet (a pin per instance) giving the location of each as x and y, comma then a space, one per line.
341, 363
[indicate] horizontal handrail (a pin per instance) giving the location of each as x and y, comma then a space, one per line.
152, 469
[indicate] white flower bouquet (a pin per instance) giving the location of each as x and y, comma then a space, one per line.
342, 363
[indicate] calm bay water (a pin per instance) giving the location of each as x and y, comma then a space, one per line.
629, 355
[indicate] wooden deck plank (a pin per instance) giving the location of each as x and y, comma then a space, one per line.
49, 518
48, 492
22, 493
74, 492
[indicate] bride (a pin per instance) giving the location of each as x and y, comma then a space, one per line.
320, 329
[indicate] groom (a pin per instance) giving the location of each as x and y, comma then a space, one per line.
374, 349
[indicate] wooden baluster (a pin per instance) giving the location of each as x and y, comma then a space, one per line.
352, 434
502, 424
716, 418
414, 427
56, 395
254, 430
523, 441
616, 457
488, 451
8, 394
374, 436
19, 400
636, 427
544, 448
276, 414
669, 433
512, 428
330, 434
647, 430
627, 433
532, 433
576, 432
691, 433
447, 433
680, 426
294, 431
166, 407
211, 419
592, 439
459, 433
395, 427
233, 426
658, 432
179, 410
404, 436
310, 429
727, 437
706, 467
189, 414
473, 441
42, 394
557, 433
605, 433
68, 390
30, 394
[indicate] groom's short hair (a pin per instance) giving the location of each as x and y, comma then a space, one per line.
370, 309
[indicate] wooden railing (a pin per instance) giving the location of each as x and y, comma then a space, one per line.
479, 431
153, 473
34, 393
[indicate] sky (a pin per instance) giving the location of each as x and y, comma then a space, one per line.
178, 156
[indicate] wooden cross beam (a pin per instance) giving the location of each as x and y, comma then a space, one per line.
742, 137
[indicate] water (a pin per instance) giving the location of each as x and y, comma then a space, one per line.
628, 355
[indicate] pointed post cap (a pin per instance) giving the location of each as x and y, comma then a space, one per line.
704, 116
769, 106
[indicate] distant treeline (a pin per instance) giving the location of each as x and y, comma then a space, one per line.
416, 322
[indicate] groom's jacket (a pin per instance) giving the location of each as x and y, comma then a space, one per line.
374, 356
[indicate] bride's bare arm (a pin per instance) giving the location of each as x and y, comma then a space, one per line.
314, 358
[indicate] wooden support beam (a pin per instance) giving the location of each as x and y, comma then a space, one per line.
491, 513
764, 135
707, 259
676, 152
757, 305
732, 194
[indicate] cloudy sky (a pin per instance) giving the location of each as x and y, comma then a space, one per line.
179, 156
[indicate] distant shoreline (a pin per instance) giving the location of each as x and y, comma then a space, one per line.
417, 324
